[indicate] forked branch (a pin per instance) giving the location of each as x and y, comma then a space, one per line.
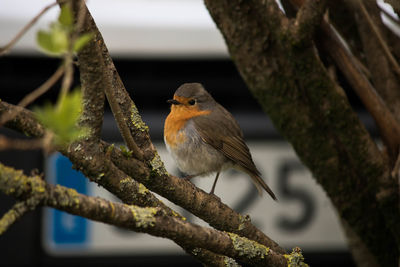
147, 220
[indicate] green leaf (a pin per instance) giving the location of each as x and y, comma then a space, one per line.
82, 41
55, 42
62, 119
60, 40
44, 40
66, 18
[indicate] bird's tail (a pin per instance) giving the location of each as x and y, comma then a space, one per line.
259, 183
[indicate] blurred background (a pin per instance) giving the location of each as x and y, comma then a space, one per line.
158, 45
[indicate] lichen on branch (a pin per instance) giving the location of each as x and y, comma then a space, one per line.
150, 220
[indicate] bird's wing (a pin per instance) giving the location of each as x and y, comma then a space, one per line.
220, 130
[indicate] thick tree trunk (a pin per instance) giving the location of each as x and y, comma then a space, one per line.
312, 112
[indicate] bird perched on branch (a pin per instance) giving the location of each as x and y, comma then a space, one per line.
204, 138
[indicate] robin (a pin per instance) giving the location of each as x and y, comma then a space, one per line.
204, 138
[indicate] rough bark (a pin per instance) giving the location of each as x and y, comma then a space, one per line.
182, 193
152, 220
92, 160
277, 58
312, 113
385, 80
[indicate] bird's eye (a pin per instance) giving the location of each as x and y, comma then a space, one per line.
192, 102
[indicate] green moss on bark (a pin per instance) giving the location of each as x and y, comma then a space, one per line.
312, 113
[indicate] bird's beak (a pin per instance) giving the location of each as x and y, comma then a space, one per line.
173, 102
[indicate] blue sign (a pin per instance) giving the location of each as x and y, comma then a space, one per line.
66, 229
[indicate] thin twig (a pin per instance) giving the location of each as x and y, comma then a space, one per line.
117, 111
20, 144
69, 56
308, 19
388, 125
42, 89
396, 169
118, 115
13, 215
5, 49
80, 17
33, 95
362, 67
68, 77
378, 35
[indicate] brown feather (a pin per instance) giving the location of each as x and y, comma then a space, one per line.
220, 130
260, 182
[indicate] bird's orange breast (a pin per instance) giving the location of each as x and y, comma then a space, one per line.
177, 119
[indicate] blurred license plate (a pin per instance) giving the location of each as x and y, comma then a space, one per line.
303, 216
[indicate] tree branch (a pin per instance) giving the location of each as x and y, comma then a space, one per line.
120, 118
208, 258
34, 95
379, 37
387, 189
147, 220
388, 125
182, 193
92, 159
307, 20
187, 195
383, 76
87, 157
14, 214
91, 78
20, 144
23, 122
314, 115
103, 68
15, 183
